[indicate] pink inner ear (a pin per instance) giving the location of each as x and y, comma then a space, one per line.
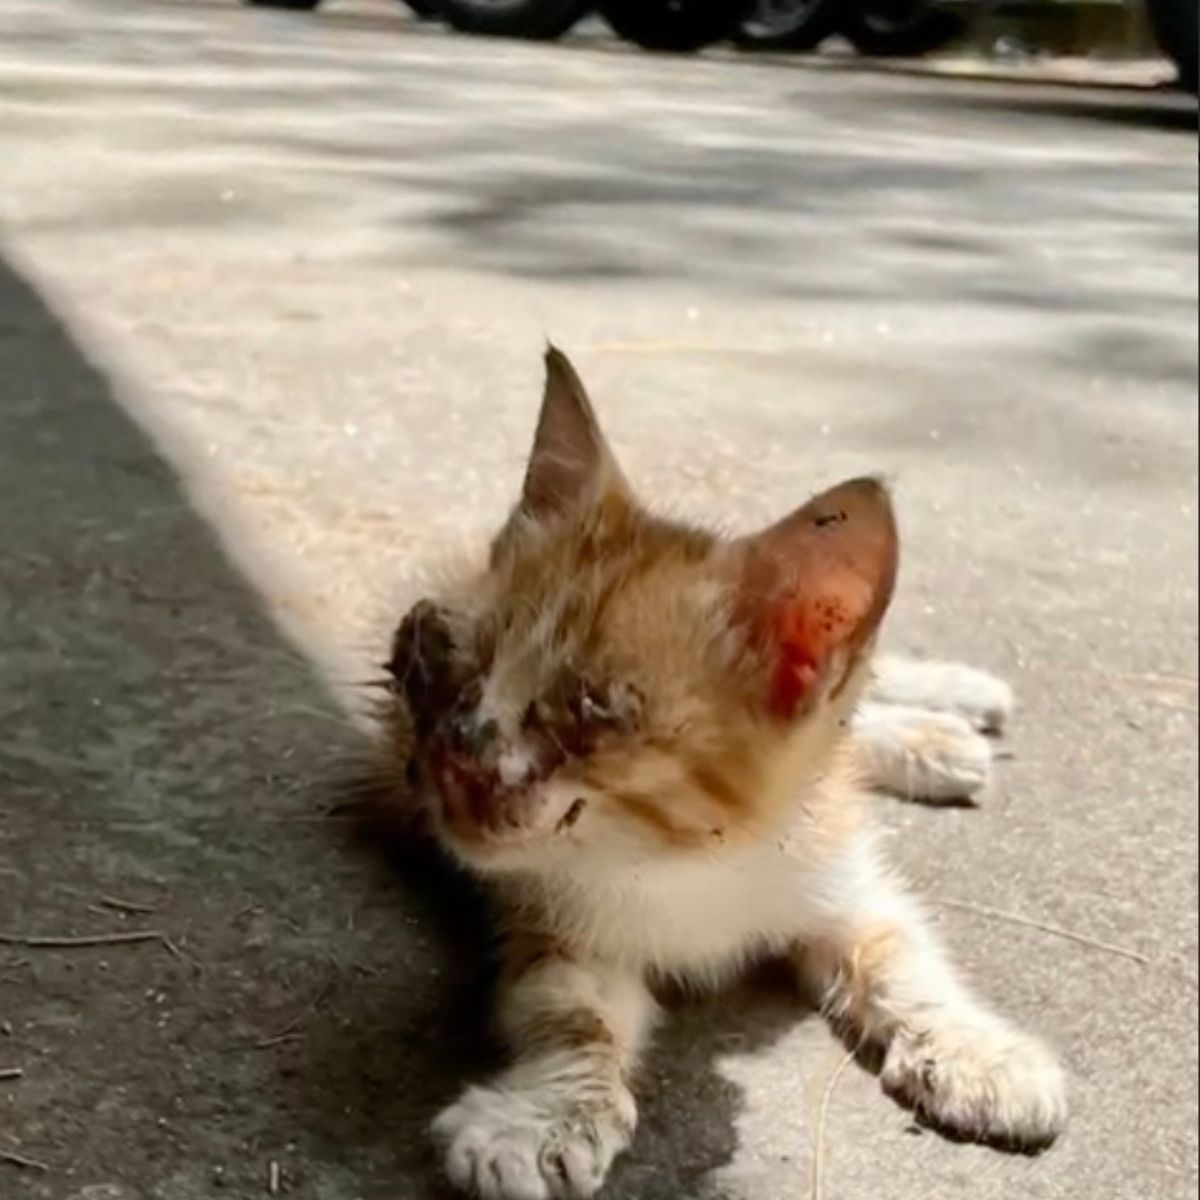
807, 631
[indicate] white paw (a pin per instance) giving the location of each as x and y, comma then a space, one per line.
983, 1081
534, 1143
982, 699
922, 755
979, 698
946, 759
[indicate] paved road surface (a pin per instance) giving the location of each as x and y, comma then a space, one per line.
272, 296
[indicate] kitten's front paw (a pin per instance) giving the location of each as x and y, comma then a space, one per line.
533, 1144
985, 1082
947, 760
918, 754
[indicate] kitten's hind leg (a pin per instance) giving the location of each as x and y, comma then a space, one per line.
949, 687
550, 1126
916, 754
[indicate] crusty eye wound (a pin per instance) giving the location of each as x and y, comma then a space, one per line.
423, 665
576, 715
600, 707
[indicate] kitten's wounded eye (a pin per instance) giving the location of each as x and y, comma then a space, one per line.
598, 708
578, 713
594, 710
623, 707
424, 664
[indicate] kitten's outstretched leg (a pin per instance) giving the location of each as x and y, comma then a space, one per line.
550, 1126
883, 976
918, 754
948, 687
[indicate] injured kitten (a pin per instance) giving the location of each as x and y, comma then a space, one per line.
651, 743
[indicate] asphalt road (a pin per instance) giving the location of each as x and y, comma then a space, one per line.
273, 292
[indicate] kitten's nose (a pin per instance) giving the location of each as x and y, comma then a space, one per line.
516, 766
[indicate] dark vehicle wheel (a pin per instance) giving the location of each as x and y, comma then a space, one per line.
543, 20
675, 25
425, 9
899, 28
1177, 26
790, 24
296, 5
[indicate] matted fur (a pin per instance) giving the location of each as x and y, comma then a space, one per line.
648, 740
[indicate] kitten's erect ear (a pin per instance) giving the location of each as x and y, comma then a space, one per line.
570, 458
813, 588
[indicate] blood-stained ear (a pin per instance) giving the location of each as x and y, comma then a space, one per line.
812, 589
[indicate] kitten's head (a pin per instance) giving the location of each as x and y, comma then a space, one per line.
615, 686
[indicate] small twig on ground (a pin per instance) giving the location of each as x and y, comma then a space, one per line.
125, 906
277, 1040
130, 937
273, 1178
1187, 683
11, 1073
20, 1160
1177, 692
817, 1181
38, 942
999, 914
288, 1032
175, 952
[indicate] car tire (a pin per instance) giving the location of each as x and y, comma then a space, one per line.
1177, 27
790, 24
899, 28
542, 20
677, 26
294, 5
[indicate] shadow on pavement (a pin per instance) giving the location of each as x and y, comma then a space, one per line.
165, 752
1151, 110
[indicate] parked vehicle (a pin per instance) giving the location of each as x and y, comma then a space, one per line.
909, 28
899, 28
1177, 25
672, 25
542, 20
790, 24
895, 28
423, 8
675, 25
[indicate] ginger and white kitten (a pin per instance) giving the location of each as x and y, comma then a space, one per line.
649, 741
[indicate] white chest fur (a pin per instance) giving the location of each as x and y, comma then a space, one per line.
699, 917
